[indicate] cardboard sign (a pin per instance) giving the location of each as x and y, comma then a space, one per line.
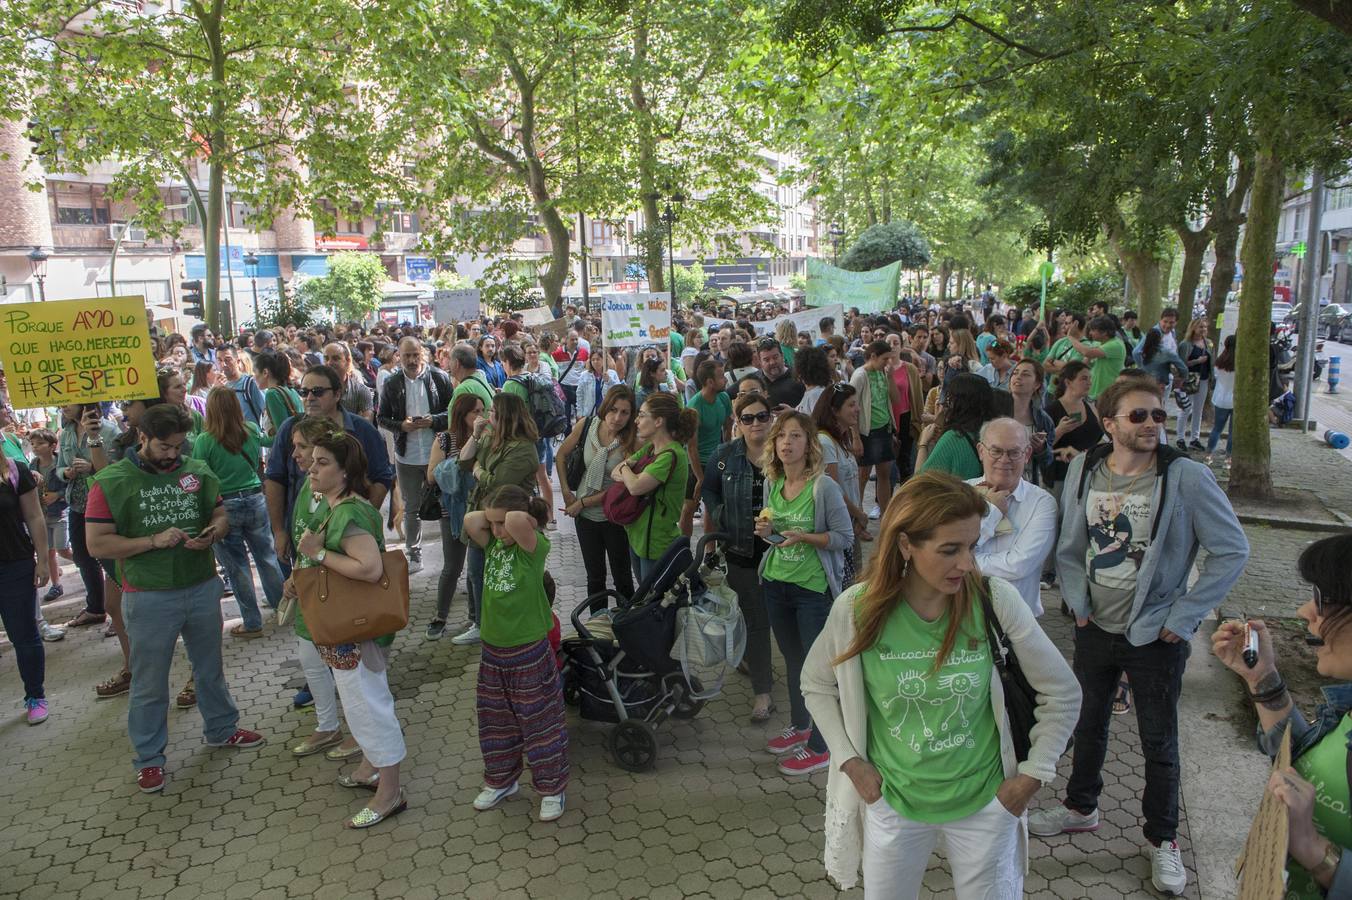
634, 320
456, 306
540, 315
808, 320
1263, 863
558, 327
872, 292
77, 351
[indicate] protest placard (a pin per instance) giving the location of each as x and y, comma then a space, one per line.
1262, 866
540, 315
873, 291
77, 351
558, 327
808, 320
456, 306
632, 320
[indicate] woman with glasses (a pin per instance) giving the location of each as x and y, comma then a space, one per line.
606, 436
734, 490
837, 418
805, 521
1314, 789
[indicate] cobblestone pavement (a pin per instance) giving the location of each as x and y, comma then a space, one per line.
713, 820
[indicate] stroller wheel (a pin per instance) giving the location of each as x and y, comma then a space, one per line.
687, 707
571, 693
633, 745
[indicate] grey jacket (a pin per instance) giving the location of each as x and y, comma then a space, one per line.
1189, 511
831, 517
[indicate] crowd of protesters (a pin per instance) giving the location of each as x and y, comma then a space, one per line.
984, 454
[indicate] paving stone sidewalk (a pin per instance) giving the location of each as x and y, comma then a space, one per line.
713, 820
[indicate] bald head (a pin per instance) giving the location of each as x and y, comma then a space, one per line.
411, 356
339, 358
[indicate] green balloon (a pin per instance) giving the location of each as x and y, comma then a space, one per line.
1047, 269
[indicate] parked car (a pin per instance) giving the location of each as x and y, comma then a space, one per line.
1334, 320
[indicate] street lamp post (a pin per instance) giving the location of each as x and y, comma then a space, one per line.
37, 262
251, 266
837, 233
670, 216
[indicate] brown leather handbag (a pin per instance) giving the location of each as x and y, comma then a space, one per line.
342, 610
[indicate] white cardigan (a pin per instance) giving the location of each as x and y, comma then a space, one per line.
835, 697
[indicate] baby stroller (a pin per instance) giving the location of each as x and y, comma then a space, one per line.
620, 668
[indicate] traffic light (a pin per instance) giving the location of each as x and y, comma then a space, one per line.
192, 299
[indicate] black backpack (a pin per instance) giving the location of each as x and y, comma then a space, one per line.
547, 404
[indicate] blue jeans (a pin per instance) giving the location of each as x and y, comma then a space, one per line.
1156, 674
18, 601
797, 616
1223, 417
251, 529
474, 580
642, 567
154, 620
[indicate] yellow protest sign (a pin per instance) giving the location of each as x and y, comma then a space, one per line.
77, 351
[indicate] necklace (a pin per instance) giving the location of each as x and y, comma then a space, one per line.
1119, 498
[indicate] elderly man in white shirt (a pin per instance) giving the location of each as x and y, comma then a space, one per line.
1020, 524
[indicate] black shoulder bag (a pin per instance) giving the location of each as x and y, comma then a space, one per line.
575, 465
1020, 697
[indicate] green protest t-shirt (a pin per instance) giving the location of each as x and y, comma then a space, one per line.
516, 388
880, 402
236, 471
515, 607
711, 419
141, 503
671, 468
797, 564
932, 735
1325, 766
1061, 351
350, 515
1105, 369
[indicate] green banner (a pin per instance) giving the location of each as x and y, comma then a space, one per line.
871, 292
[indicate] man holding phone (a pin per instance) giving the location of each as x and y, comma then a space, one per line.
82, 444
157, 518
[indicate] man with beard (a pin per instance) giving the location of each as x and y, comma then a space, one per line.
784, 390
157, 518
357, 397
1147, 509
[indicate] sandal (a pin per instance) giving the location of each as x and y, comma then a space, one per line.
187, 698
1122, 700
759, 716
338, 754
369, 784
368, 817
86, 618
240, 631
114, 687
309, 746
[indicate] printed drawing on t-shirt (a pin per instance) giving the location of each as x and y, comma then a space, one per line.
942, 703
1119, 533
498, 572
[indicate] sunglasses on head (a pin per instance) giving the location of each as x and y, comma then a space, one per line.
1138, 416
318, 391
767, 343
748, 418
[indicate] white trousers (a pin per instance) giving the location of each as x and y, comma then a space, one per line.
982, 850
322, 688
368, 707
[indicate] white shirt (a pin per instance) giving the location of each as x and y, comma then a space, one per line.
418, 444
1017, 554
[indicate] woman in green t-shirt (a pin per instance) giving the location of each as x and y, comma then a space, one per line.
968, 402
808, 526
901, 683
519, 699
1314, 788
272, 371
349, 540
663, 429
232, 448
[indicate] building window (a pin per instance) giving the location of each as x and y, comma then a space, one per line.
602, 232
81, 204
392, 217
155, 292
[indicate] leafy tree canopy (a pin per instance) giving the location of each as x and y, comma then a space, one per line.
885, 244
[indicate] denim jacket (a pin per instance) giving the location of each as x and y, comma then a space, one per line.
1304, 735
729, 492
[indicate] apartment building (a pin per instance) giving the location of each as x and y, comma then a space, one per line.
1334, 255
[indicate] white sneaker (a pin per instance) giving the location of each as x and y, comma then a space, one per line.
414, 565
52, 633
875, 512
1166, 868
471, 636
491, 797
551, 808
1061, 820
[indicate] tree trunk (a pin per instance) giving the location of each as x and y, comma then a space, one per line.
945, 272
1250, 475
886, 191
647, 157
1142, 268
1194, 248
212, 311
1228, 219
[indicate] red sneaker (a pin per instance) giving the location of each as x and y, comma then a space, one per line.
804, 762
789, 739
241, 740
150, 779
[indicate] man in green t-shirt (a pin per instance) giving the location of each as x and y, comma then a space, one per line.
1063, 350
157, 518
1105, 353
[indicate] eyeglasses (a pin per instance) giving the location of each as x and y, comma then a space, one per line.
318, 392
1318, 600
996, 453
1138, 416
841, 387
747, 418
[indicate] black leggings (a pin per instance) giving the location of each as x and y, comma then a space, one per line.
598, 541
452, 564
91, 573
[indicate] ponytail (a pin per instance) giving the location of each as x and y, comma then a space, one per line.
680, 423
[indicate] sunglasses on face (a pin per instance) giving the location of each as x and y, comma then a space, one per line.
317, 392
747, 418
1138, 416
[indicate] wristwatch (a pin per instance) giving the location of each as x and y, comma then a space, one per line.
323, 552
98, 443
1329, 864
